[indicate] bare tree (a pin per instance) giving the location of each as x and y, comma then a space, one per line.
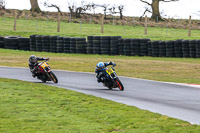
34, 6
155, 7
52, 5
105, 8
121, 8
2, 4
77, 10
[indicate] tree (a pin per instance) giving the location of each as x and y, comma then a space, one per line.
2, 4
105, 8
34, 6
121, 8
77, 10
155, 8
52, 5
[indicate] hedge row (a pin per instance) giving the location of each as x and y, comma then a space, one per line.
105, 45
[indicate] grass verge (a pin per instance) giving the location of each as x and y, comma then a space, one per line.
34, 107
26, 28
181, 70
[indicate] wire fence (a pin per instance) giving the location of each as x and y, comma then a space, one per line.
128, 27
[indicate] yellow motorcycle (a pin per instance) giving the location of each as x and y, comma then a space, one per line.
44, 72
111, 79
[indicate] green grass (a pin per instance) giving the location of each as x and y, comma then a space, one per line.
181, 70
34, 107
27, 28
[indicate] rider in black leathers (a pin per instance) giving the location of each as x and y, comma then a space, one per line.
33, 64
100, 68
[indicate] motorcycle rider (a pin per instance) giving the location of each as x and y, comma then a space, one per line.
100, 68
33, 64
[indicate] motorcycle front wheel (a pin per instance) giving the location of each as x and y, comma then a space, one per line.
53, 77
119, 83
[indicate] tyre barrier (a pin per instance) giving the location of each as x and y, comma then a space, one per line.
60, 44
96, 45
144, 47
81, 45
149, 48
135, 47
66, 41
24, 43
114, 45
45, 43
198, 49
162, 49
178, 48
89, 49
169, 48
155, 48
127, 47
53, 44
32, 42
11, 42
38, 43
121, 46
105, 45
72, 45
185, 48
1, 42
192, 47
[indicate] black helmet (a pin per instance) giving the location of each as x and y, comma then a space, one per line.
33, 59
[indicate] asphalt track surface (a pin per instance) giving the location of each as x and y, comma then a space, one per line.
178, 101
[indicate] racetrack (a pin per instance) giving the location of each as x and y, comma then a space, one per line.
178, 101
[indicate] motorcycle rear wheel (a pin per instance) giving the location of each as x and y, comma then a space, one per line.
53, 77
119, 83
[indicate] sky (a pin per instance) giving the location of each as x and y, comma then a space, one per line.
181, 9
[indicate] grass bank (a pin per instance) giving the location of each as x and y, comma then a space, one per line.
181, 70
34, 107
28, 27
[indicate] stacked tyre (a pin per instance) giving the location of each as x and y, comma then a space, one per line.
81, 45
72, 45
96, 45
149, 48
24, 43
66, 41
38, 43
45, 43
89, 49
169, 49
192, 45
198, 49
114, 46
121, 46
135, 47
178, 48
105, 45
33, 42
127, 47
53, 44
60, 45
144, 47
185, 48
155, 48
162, 49
11, 42
1, 42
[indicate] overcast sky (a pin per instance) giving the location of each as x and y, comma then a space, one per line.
181, 9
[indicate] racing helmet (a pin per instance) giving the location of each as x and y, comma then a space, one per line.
32, 59
100, 65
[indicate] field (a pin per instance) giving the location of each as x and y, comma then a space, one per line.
26, 28
33, 107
